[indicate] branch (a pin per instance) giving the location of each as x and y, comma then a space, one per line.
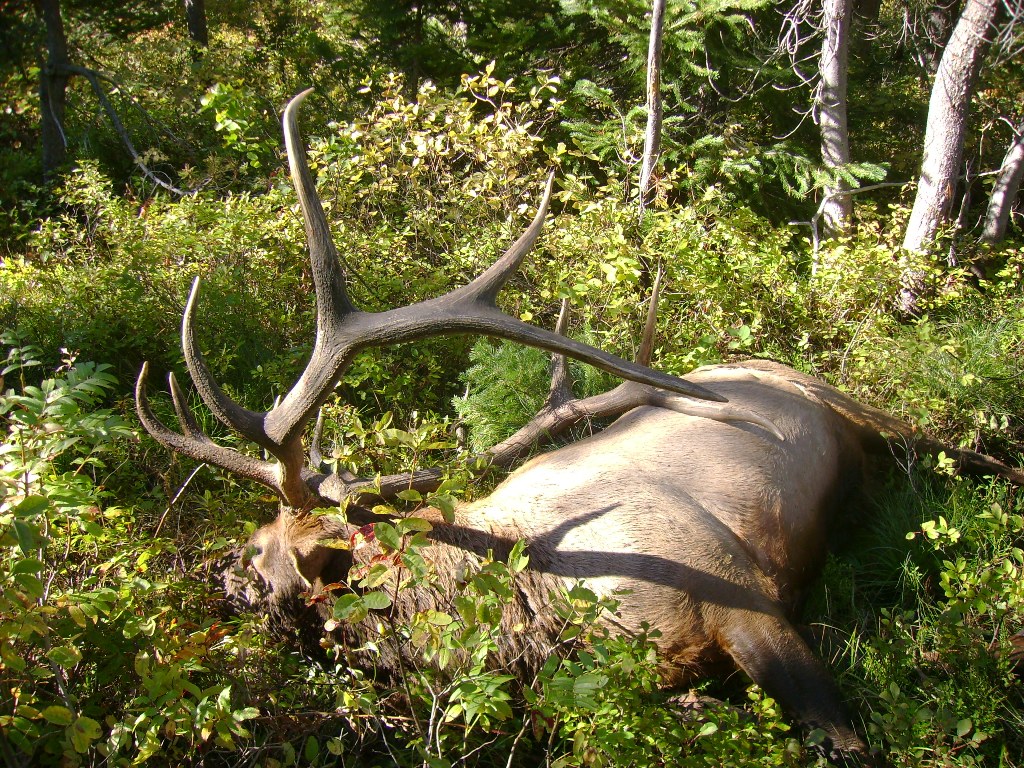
94, 78
1008, 41
153, 122
813, 223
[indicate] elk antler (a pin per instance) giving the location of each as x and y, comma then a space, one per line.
562, 410
342, 330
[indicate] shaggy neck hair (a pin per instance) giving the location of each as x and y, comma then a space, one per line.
528, 629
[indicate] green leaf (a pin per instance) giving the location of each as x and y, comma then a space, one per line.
28, 565
344, 605
586, 686
27, 536
413, 525
377, 575
707, 729
446, 504
311, 750
387, 535
437, 618
31, 583
65, 656
82, 733
376, 601
358, 612
517, 558
963, 727
12, 660
58, 715
31, 506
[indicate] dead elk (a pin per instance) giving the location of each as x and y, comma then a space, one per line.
710, 499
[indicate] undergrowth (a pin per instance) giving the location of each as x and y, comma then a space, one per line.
114, 649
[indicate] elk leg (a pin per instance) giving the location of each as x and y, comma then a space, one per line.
773, 654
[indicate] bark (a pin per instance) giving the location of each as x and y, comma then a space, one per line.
652, 138
195, 17
53, 85
831, 109
944, 138
1007, 185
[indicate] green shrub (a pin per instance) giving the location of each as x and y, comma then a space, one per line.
507, 384
919, 606
104, 654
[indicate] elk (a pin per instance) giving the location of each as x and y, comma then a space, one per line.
710, 498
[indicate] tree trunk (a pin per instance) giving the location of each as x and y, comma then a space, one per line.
944, 138
195, 17
831, 109
53, 85
652, 138
868, 11
937, 23
1005, 190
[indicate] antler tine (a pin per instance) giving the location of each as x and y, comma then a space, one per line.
195, 444
486, 286
644, 354
332, 301
562, 410
561, 388
230, 413
188, 423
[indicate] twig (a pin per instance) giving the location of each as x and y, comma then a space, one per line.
177, 496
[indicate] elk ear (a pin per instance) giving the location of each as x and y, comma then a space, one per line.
315, 563
298, 562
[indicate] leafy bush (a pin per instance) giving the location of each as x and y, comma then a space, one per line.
506, 385
100, 649
110, 277
959, 366
935, 612
112, 646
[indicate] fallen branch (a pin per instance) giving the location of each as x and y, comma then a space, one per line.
94, 78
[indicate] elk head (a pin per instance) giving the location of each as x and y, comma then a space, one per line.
342, 331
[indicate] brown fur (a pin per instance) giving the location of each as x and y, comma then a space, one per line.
714, 528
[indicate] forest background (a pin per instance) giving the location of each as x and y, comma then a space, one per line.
835, 189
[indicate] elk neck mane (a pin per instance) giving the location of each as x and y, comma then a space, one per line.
456, 550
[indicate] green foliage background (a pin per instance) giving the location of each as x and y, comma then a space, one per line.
114, 649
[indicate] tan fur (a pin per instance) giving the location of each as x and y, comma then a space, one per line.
713, 528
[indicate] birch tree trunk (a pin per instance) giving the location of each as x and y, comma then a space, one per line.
831, 109
1011, 172
944, 138
652, 138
